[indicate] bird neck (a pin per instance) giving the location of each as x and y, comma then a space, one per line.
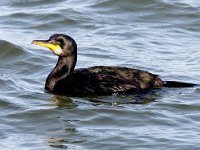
64, 67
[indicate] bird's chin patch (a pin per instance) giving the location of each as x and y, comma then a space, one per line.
58, 51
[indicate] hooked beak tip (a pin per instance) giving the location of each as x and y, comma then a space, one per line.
34, 42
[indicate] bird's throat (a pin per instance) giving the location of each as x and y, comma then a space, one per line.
64, 67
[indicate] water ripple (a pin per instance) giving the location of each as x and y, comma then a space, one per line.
9, 50
161, 36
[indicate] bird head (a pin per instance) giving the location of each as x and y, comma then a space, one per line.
59, 44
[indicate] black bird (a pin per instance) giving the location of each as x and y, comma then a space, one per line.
97, 80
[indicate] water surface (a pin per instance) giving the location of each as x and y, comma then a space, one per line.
160, 36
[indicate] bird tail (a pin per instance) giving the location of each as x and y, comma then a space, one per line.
176, 84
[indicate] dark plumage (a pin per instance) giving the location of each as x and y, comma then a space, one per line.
94, 80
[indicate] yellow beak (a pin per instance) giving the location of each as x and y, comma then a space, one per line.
45, 43
56, 49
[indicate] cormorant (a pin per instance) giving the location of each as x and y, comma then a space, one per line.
63, 79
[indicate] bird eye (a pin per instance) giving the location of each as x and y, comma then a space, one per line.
60, 42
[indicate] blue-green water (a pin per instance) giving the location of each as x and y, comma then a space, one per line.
161, 36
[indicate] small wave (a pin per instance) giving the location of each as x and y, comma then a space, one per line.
8, 50
51, 21
53, 25
131, 3
20, 15
30, 3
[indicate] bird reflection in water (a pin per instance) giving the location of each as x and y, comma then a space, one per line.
63, 101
